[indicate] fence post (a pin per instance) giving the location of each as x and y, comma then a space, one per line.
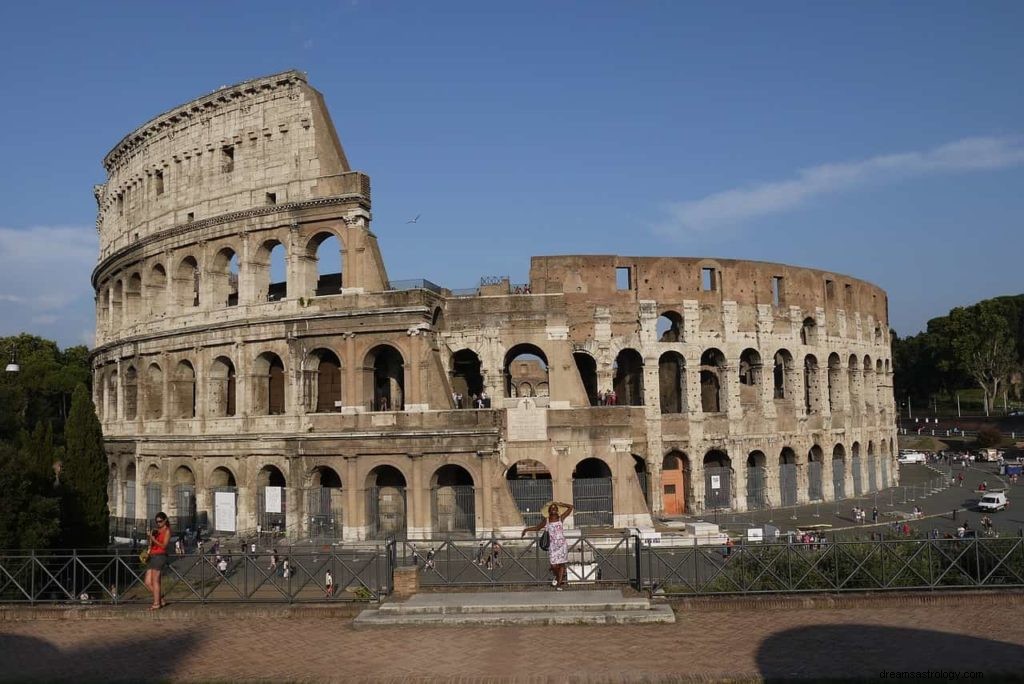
637, 544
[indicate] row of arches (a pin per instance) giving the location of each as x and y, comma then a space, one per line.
670, 328
186, 283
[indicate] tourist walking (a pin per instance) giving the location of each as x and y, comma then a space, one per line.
558, 548
159, 539
329, 584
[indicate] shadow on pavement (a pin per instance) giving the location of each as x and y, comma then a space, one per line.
30, 658
865, 651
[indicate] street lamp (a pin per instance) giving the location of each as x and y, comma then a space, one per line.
13, 366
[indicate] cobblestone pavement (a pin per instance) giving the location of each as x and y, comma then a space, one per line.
782, 639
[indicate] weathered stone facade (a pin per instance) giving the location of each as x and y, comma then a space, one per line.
737, 383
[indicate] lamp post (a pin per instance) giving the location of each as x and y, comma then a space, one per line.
13, 366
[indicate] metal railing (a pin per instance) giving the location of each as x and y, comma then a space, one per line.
358, 574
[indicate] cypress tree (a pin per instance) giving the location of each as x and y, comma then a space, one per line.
84, 476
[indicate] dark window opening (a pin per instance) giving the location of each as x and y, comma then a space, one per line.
271, 198
586, 366
227, 159
158, 182
623, 278
190, 217
708, 280
848, 291
777, 292
830, 291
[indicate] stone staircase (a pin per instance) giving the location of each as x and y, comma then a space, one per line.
588, 607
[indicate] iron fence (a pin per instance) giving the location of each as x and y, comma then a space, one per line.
358, 574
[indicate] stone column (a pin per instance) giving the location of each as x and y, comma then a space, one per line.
485, 515
418, 502
739, 484
828, 492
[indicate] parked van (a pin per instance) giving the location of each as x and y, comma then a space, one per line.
993, 501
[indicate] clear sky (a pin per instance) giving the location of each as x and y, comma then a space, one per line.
881, 140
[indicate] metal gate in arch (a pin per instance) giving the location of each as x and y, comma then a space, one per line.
530, 496
717, 487
787, 484
592, 499
858, 484
757, 483
839, 478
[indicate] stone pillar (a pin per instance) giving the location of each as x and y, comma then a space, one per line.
355, 493
485, 514
418, 502
828, 492
802, 479
739, 484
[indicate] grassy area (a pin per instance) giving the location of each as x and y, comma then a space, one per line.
971, 404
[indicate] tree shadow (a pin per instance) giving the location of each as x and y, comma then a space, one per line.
863, 651
149, 658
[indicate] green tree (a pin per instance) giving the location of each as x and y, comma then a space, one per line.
29, 507
84, 475
985, 345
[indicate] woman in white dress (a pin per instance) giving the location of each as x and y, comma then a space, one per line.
558, 548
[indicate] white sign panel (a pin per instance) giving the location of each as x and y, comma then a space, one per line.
224, 511
755, 534
272, 500
716, 481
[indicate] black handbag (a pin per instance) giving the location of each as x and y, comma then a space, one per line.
544, 542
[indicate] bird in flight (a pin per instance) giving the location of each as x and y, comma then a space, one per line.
414, 220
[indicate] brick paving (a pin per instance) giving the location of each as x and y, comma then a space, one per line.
712, 640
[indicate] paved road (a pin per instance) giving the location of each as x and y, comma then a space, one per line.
709, 643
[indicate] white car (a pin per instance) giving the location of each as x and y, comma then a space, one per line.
993, 501
913, 457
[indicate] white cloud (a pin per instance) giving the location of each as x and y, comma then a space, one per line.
735, 205
44, 281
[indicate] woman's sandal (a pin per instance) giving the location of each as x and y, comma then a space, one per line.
156, 607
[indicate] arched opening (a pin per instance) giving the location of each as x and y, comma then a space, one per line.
640, 468
223, 388
133, 298
323, 381
154, 493
586, 366
156, 290
757, 481
384, 379
129, 492
782, 374
812, 385
225, 500
529, 482
116, 304
750, 379
592, 493
325, 503
839, 472
628, 378
712, 372
184, 499
672, 382
437, 320
872, 468
224, 278
670, 327
809, 331
675, 483
717, 480
270, 270
325, 251
856, 470
525, 364
868, 381
852, 369
787, 477
385, 492
184, 391
453, 501
186, 283
525, 389
271, 499
835, 371
154, 392
268, 392
814, 468
131, 393
112, 394
467, 379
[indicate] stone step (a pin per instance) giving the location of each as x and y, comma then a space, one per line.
661, 614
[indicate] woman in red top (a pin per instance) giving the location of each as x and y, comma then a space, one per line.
159, 540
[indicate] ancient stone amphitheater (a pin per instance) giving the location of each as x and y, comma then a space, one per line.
255, 366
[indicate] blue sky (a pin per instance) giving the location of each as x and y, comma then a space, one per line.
882, 140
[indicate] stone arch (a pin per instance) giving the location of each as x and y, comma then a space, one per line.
386, 502
757, 481
437, 320
223, 277
592, 493
835, 374
467, 377
270, 271
154, 404
670, 327
672, 382
154, 491
642, 477
815, 463
184, 497
131, 393
712, 387
222, 481
586, 366
184, 390
856, 469
133, 298
269, 385
529, 482
783, 373
838, 472
324, 253
223, 396
717, 479
628, 378
325, 503
271, 499
788, 467
384, 379
750, 378
524, 363
186, 283
111, 393
812, 385
868, 381
129, 508
453, 505
323, 378
675, 483
156, 290
809, 331
117, 303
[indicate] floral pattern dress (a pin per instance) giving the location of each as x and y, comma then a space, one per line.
558, 549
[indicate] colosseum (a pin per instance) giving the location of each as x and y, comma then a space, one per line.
256, 367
